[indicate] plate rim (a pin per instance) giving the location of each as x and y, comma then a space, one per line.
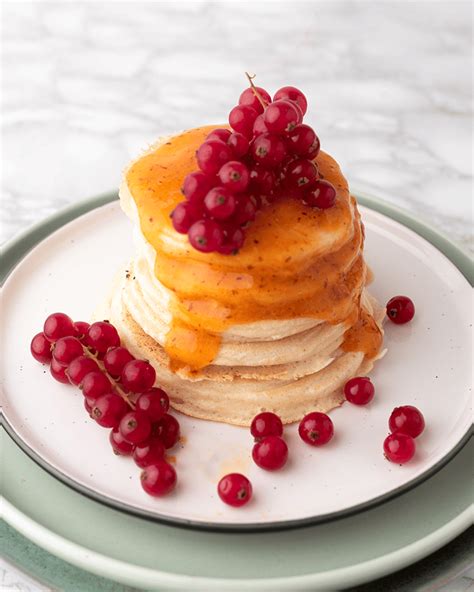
32, 236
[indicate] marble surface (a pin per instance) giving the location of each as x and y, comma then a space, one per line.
87, 85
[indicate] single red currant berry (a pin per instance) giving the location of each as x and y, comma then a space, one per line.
206, 236
159, 478
219, 134
115, 360
271, 453
40, 348
67, 349
220, 203
407, 420
211, 155
138, 376
135, 426
195, 187
259, 126
167, 430
234, 238
241, 119
301, 174
262, 181
58, 325
399, 448
249, 98
95, 384
245, 211
316, 429
155, 403
322, 195
266, 424
282, 117
101, 336
108, 410
239, 144
119, 445
184, 215
149, 452
79, 368
58, 372
234, 175
81, 328
292, 94
235, 490
268, 150
303, 141
400, 309
359, 390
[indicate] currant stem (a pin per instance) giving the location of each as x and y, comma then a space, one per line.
255, 91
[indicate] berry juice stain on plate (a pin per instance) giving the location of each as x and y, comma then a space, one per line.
241, 325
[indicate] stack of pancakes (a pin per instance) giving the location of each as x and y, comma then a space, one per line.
279, 327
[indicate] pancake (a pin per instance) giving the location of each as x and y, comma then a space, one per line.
279, 327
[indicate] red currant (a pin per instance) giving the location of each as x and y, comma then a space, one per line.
119, 445
40, 348
292, 94
184, 215
101, 336
268, 150
246, 210
211, 155
303, 141
206, 236
241, 119
167, 430
407, 420
239, 144
195, 187
95, 384
235, 490
400, 310
138, 376
115, 359
234, 238
259, 126
219, 134
155, 403
149, 452
220, 203
271, 453
88, 405
108, 410
58, 372
359, 390
399, 448
58, 325
234, 175
135, 426
316, 429
266, 424
301, 174
262, 181
159, 478
81, 328
67, 349
249, 98
80, 367
322, 195
281, 117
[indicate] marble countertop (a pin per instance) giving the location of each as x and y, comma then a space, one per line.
87, 85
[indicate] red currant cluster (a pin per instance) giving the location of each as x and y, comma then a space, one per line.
118, 393
268, 152
270, 451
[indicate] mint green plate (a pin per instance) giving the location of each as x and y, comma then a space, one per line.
153, 556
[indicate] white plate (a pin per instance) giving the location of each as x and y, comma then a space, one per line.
427, 365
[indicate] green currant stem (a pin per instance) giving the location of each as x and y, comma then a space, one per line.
255, 91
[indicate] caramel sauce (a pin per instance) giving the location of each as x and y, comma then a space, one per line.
297, 261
